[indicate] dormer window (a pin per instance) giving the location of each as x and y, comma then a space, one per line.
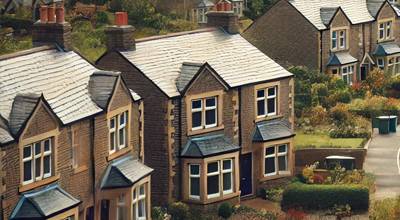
118, 132
385, 30
339, 39
37, 161
204, 113
201, 15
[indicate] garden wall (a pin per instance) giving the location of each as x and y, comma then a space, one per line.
309, 156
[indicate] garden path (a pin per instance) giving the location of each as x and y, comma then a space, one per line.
383, 161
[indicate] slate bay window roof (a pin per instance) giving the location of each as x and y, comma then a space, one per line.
385, 49
43, 203
272, 130
206, 146
124, 172
235, 60
341, 58
205, 3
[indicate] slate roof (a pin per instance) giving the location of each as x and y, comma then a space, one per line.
341, 58
272, 130
205, 3
124, 172
101, 86
188, 70
22, 108
385, 49
5, 136
374, 6
43, 203
200, 147
231, 56
356, 10
327, 14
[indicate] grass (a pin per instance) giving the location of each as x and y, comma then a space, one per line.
303, 140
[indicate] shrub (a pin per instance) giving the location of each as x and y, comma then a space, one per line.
349, 132
388, 209
340, 114
102, 17
296, 214
308, 172
317, 197
179, 211
157, 213
318, 179
318, 115
225, 210
245, 212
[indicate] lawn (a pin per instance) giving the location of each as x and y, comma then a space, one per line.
303, 140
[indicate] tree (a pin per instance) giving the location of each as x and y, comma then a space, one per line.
256, 8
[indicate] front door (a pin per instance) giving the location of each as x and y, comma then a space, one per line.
246, 183
105, 210
364, 71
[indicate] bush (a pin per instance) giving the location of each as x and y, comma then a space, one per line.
245, 212
340, 114
318, 116
102, 17
388, 209
317, 197
225, 210
157, 213
349, 132
179, 211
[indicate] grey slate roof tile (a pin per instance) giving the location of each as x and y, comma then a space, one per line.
200, 147
231, 56
135, 96
188, 70
101, 85
43, 203
385, 49
205, 3
124, 172
341, 58
327, 14
272, 130
22, 108
356, 10
5, 136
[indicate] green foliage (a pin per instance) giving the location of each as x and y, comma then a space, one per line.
245, 212
272, 194
225, 210
15, 23
388, 209
101, 17
158, 213
9, 44
179, 211
341, 211
340, 114
319, 92
320, 197
375, 82
256, 8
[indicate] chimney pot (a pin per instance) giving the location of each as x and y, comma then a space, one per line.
121, 18
51, 13
225, 19
220, 6
43, 14
227, 6
60, 14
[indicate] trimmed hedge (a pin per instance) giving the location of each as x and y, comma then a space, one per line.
320, 197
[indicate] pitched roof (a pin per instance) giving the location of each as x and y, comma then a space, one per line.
101, 86
231, 56
272, 130
355, 10
327, 14
341, 58
124, 172
22, 108
205, 3
375, 5
205, 146
385, 49
188, 71
43, 203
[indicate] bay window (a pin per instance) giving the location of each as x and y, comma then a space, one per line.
118, 132
276, 160
201, 15
139, 202
204, 113
213, 176
394, 65
381, 63
194, 181
219, 173
227, 176
267, 102
37, 161
121, 207
347, 74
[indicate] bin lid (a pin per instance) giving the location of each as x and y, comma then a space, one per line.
383, 117
393, 116
336, 157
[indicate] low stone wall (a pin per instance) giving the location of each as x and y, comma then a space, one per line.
309, 156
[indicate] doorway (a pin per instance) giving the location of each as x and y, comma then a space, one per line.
246, 168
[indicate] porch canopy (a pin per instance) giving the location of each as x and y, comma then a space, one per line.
341, 58
275, 129
44, 203
207, 146
386, 49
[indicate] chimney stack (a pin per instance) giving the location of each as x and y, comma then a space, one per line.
224, 17
52, 28
120, 35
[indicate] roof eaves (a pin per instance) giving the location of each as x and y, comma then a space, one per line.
202, 30
27, 52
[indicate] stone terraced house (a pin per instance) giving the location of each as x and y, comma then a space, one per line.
343, 38
71, 136
219, 113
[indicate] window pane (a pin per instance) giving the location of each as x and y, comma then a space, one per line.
194, 169
47, 145
227, 164
282, 148
271, 91
122, 119
212, 184
141, 190
38, 165
211, 117
260, 107
227, 181
270, 150
27, 152
122, 136
195, 186
196, 119
210, 102
38, 149
212, 167
112, 123
271, 105
260, 93
47, 164
112, 141
27, 170
196, 104
141, 211
269, 165
282, 163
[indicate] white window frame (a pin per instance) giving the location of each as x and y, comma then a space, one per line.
334, 39
342, 38
348, 74
265, 98
196, 197
203, 109
210, 108
380, 62
201, 14
115, 131
142, 197
28, 159
280, 154
47, 154
275, 160
194, 110
224, 171
136, 197
385, 30
216, 173
38, 156
122, 127
276, 155
121, 203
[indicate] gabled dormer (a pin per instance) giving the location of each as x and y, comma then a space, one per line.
339, 25
385, 23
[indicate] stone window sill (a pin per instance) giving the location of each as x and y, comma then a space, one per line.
30, 186
206, 130
268, 118
118, 153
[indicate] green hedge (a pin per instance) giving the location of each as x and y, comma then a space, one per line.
320, 197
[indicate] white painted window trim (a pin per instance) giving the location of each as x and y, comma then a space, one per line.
280, 154
342, 38
196, 197
46, 154
348, 74
207, 108
195, 110
262, 98
271, 97
334, 39
266, 156
113, 132
28, 159
141, 198
122, 128
120, 203
265, 98
216, 173
38, 156
224, 171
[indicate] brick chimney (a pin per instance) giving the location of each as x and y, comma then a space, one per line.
224, 17
120, 35
52, 28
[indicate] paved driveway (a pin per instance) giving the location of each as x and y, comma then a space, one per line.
382, 160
